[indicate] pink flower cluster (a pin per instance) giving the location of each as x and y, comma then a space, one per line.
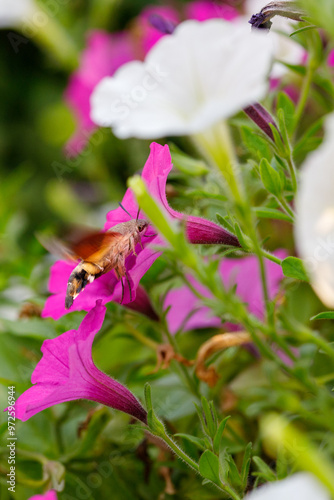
106, 52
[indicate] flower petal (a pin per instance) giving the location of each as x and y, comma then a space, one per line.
301, 486
314, 228
200, 74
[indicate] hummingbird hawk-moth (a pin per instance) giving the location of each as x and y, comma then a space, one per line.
99, 253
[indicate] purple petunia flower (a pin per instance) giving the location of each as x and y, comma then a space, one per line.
107, 287
67, 372
187, 312
49, 495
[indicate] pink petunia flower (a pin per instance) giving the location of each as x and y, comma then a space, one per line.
107, 287
148, 34
330, 59
67, 372
186, 311
104, 54
202, 10
49, 495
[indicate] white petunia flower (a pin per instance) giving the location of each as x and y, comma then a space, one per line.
13, 12
301, 486
314, 228
202, 73
286, 49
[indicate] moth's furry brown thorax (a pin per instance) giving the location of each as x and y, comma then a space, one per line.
103, 252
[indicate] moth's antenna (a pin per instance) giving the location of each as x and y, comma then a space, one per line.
138, 214
125, 210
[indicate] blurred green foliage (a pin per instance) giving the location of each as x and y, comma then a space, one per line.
106, 456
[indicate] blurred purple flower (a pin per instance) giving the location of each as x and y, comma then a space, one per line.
104, 54
149, 35
186, 311
107, 287
67, 372
49, 495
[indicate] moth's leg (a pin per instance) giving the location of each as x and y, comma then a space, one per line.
128, 282
122, 291
132, 245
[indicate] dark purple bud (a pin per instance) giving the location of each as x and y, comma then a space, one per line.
258, 21
262, 118
291, 10
165, 26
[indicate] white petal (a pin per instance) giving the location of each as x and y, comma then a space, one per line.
202, 73
301, 486
13, 12
314, 228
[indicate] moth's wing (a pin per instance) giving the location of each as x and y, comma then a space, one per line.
95, 246
57, 247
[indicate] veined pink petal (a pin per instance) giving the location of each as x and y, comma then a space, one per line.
67, 372
187, 311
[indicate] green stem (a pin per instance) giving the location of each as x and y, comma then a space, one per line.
325, 378
293, 172
231, 492
142, 338
180, 453
286, 207
271, 257
304, 92
216, 145
191, 382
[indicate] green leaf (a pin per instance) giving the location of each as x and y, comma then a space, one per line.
186, 164
255, 143
288, 108
294, 268
324, 315
211, 424
234, 474
265, 470
244, 240
271, 213
224, 222
309, 140
219, 434
199, 442
270, 178
246, 465
34, 327
322, 13
209, 467
283, 129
